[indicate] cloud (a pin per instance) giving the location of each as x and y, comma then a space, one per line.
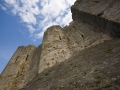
28, 18
41, 33
2, 7
31, 29
38, 15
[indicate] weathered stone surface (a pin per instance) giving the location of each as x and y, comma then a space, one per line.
82, 35
54, 48
81, 56
94, 68
60, 43
14, 75
103, 15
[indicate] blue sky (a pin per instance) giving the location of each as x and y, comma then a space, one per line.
23, 22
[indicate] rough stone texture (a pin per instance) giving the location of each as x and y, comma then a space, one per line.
103, 14
17, 72
54, 48
94, 68
81, 56
59, 44
81, 35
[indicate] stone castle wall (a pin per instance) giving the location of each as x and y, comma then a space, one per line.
58, 45
88, 28
17, 71
54, 48
101, 14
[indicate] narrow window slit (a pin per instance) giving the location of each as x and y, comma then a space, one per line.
27, 58
74, 27
16, 58
59, 37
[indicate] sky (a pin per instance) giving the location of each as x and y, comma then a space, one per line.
23, 22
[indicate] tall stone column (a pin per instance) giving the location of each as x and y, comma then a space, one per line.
16, 73
54, 48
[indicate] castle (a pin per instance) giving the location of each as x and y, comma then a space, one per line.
94, 22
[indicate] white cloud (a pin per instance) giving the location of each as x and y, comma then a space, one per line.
48, 24
31, 29
58, 19
25, 9
3, 8
67, 19
28, 18
38, 15
11, 2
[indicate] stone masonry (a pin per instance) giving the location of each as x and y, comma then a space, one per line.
54, 48
94, 22
21, 68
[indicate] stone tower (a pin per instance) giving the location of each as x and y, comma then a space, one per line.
58, 45
94, 21
20, 69
55, 48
